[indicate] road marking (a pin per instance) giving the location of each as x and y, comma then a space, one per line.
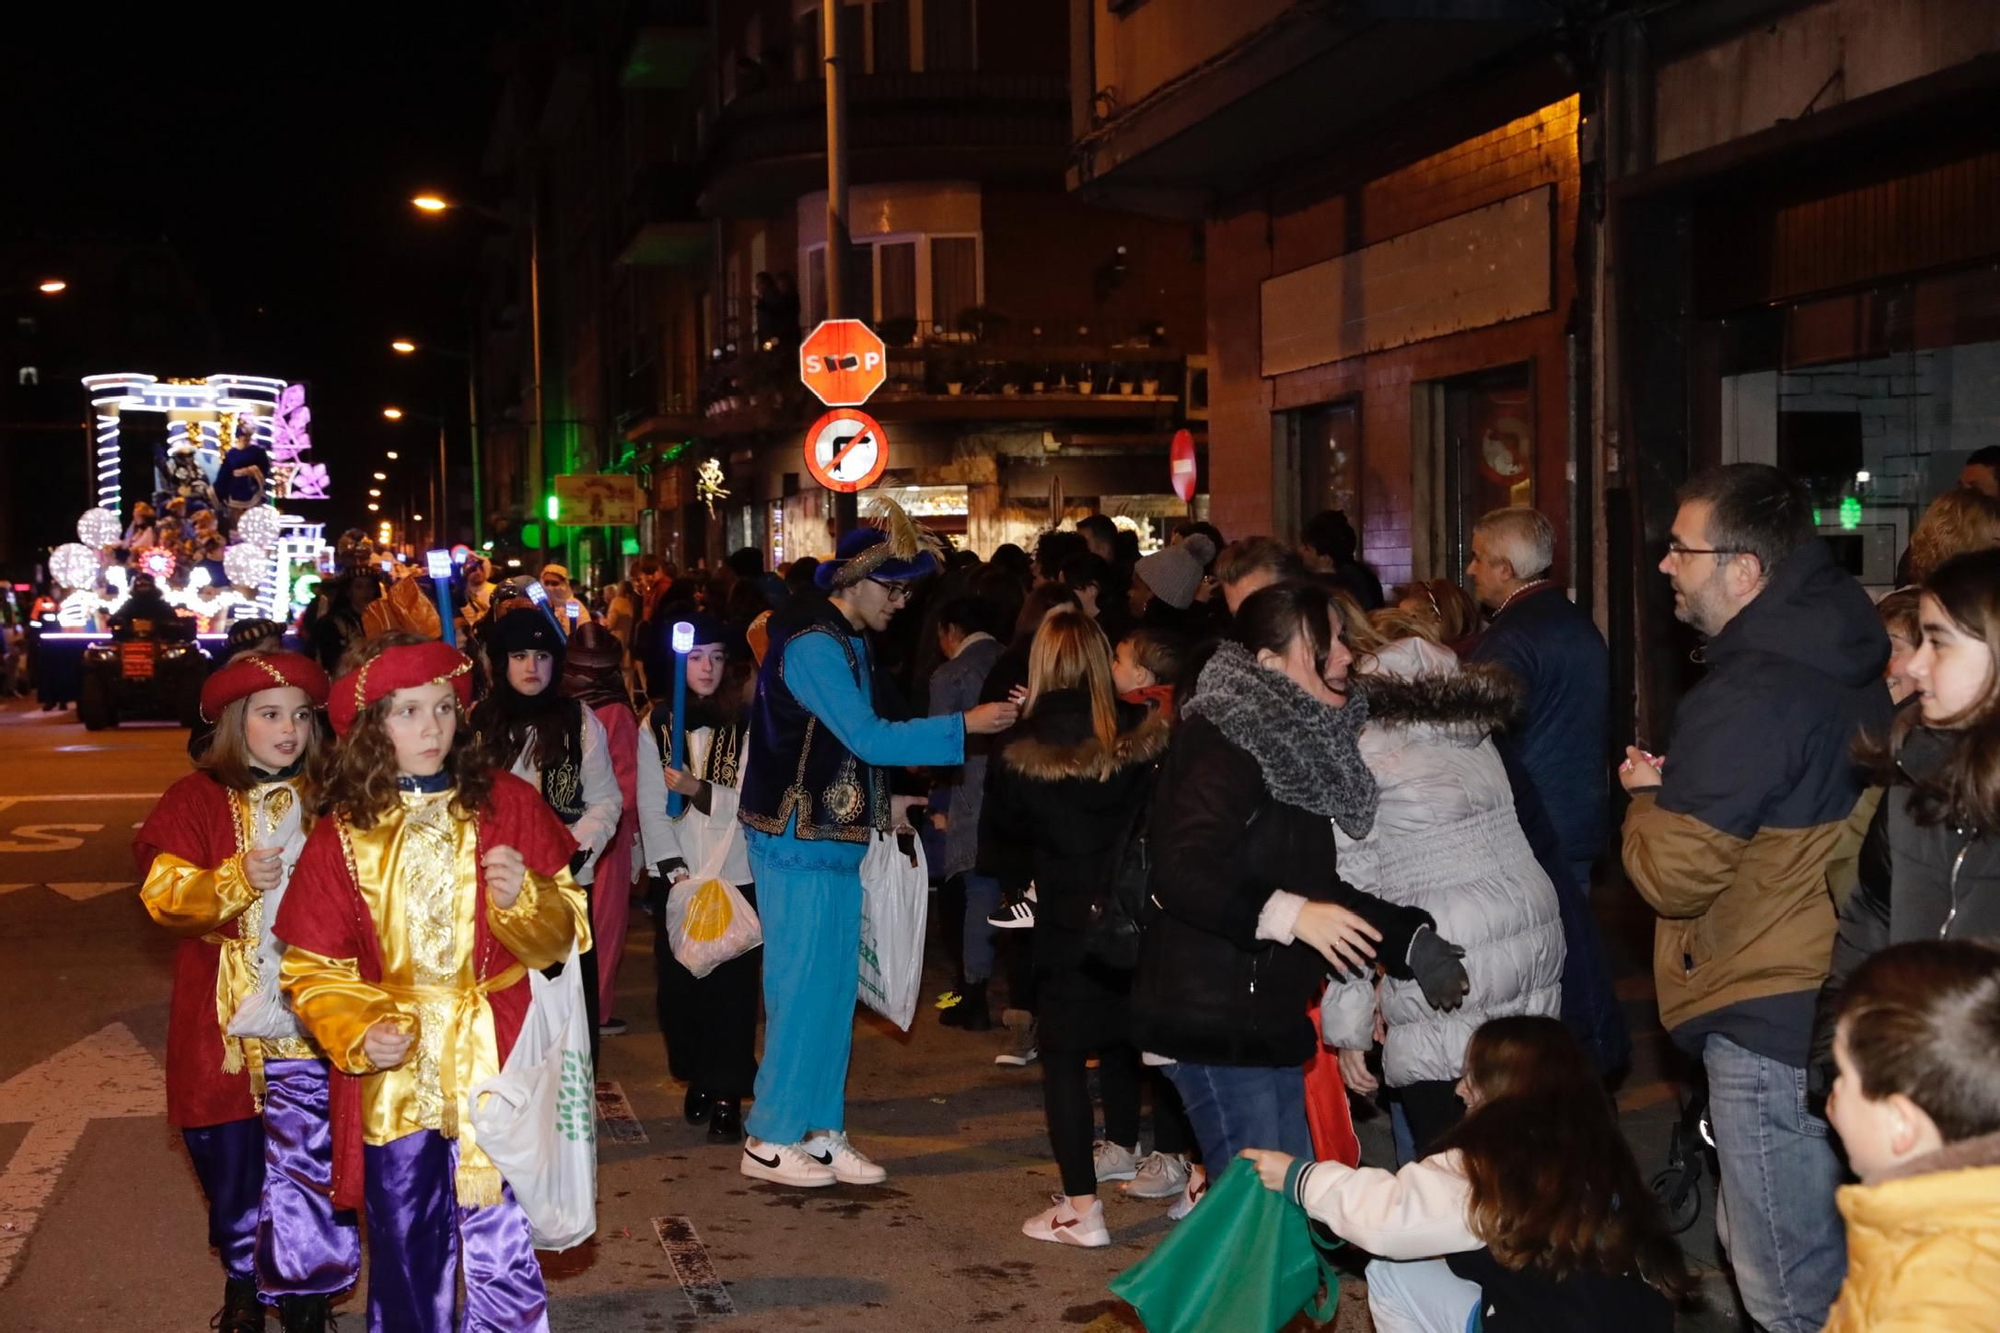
48, 837
6, 801
9, 888
692, 1268
615, 1120
107, 1075
77, 893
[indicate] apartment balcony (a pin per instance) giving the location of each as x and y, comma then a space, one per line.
668, 45
767, 148
665, 229
1014, 378
1368, 84
649, 408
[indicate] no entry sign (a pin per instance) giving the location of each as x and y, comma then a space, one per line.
1181, 466
843, 362
846, 450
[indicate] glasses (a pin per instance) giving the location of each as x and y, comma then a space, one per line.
896, 592
1676, 551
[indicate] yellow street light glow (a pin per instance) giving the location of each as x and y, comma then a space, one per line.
374, 494
430, 203
393, 413
403, 345
393, 455
416, 518
381, 476
51, 286
373, 507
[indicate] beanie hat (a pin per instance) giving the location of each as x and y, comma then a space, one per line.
525, 629
1174, 572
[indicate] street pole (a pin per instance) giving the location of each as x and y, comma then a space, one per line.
537, 440
441, 500
845, 508
472, 429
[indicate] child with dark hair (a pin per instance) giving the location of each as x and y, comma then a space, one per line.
1533, 1200
419, 904
1917, 1107
245, 1087
1148, 668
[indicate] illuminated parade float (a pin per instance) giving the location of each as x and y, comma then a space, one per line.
192, 479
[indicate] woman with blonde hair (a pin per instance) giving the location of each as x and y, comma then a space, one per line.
1958, 522
1062, 801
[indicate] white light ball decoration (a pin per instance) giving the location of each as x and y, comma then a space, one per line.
197, 579
246, 564
260, 526
99, 528
74, 565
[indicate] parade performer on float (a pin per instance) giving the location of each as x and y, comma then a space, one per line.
710, 1022
245, 1087
422, 899
813, 794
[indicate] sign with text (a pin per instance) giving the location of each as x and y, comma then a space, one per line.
599, 499
843, 362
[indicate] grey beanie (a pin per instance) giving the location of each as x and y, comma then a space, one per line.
1174, 572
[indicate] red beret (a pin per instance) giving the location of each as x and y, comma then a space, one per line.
247, 673
400, 668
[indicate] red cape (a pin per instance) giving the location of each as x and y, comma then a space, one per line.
194, 821
324, 913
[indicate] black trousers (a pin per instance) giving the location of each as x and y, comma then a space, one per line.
587, 960
1433, 1109
1072, 1123
710, 1023
1172, 1132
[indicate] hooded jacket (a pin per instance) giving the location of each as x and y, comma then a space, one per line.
1923, 1245
1446, 840
1731, 849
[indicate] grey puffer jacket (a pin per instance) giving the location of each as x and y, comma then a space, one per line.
1445, 840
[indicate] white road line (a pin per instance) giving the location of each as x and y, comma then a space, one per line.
84, 796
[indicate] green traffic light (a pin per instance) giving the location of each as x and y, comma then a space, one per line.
553, 507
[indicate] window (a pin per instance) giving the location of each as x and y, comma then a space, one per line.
1489, 450
1329, 439
930, 281
874, 38
951, 34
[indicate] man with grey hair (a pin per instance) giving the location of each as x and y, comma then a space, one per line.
1557, 750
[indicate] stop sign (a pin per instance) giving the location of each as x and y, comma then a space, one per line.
843, 362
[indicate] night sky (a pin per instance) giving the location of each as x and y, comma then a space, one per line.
275, 148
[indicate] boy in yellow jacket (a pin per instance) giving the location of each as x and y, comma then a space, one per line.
1917, 1106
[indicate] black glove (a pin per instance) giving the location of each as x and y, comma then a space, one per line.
1434, 963
579, 861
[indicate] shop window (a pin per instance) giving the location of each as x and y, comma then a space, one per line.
1874, 400
1329, 444
1488, 424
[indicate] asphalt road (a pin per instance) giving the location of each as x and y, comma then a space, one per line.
101, 1224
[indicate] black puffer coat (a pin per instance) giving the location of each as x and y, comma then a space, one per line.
1917, 882
1208, 990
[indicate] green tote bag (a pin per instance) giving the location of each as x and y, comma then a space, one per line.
1245, 1261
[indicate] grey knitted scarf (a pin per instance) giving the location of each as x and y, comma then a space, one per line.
1308, 751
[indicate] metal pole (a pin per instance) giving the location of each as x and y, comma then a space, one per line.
442, 498
472, 430
536, 440
845, 508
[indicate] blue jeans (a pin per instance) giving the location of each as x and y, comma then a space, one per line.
1589, 1003
1423, 1296
982, 899
1775, 1212
1233, 1107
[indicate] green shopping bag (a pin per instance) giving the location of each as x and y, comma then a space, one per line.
1245, 1261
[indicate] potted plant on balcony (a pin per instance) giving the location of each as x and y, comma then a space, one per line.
898, 332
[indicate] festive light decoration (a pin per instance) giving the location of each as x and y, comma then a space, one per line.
98, 528
74, 565
245, 564
198, 578
159, 562
260, 526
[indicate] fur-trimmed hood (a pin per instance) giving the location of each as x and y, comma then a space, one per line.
1475, 697
1057, 741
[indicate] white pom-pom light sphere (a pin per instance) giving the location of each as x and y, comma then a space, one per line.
74, 565
98, 527
259, 526
246, 564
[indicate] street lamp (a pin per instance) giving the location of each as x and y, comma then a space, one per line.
430, 203
51, 286
393, 413
393, 455
381, 476
403, 345
374, 494
373, 507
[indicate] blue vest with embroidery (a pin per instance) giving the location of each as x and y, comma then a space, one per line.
797, 767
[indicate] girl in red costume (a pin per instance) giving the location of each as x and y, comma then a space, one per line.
421, 901
246, 1088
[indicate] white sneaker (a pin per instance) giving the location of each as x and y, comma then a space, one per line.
1064, 1225
836, 1154
1113, 1161
784, 1163
1197, 1186
1160, 1175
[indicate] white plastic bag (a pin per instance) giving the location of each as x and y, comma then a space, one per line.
537, 1119
895, 896
709, 922
264, 1013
